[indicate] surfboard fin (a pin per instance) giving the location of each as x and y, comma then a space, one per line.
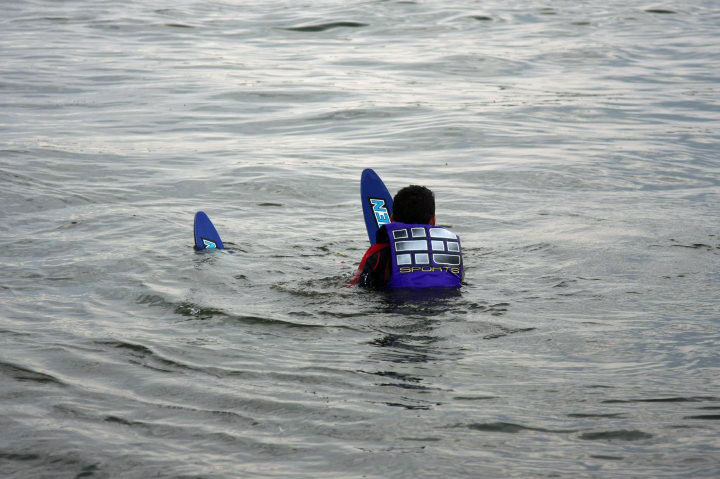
206, 236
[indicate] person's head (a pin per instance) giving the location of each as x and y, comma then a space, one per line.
414, 204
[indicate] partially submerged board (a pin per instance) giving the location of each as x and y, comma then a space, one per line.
376, 202
206, 236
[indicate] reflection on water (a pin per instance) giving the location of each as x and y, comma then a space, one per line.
421, 302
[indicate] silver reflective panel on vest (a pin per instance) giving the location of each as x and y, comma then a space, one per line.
444, 240
442, 233
447, 259
417, 245
442, 244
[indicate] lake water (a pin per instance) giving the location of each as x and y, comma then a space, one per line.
572, 145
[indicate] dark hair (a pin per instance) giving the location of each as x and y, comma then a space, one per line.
414, 204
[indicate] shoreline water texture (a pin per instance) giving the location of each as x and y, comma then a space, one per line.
572, 145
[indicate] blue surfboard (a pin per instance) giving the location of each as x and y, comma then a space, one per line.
206, 236
376, 202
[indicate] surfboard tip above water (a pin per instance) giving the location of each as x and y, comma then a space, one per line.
205, 234
376, 202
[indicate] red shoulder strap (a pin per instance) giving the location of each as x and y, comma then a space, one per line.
371, 251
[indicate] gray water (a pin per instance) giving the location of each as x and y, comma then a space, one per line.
572, 144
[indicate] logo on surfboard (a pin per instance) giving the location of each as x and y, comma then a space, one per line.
380, 210
209, 244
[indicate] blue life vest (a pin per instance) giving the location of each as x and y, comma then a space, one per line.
424, 256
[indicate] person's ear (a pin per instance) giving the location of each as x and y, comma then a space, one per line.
432, 221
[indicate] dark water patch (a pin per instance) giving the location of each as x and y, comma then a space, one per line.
124, 422
474, 398
88, 471
619, 435
53, 464
230, 248
510, 428
608, 458
681, 275
537, 247
73, 411
154, 300
146, 357
660, 11
506, 332
415, 387
270, 204
196, 312
343, 315
326, 26
201, 313
400, 351
421, 302
421, 439
417, 344
389, 340
498, 309
410, 407
203, 415
395, 375
9, 332
178, 25
482, 18
591, 415
709, 417
704, 246
477, 306
564, 283
407, 355
9, 456
661, 400
325, 289
224, 415
697, 246
259, 320
168, 431
204, 313
135, 348
23, 374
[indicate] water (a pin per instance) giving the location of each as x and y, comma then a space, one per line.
572, 145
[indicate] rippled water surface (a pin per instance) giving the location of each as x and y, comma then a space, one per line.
572, 145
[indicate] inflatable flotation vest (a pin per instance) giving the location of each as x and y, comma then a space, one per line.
424, 256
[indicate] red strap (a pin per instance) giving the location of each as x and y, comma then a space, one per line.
371, 251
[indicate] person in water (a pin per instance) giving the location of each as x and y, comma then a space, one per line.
410, 251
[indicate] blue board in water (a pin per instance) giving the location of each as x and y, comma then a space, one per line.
206, 236
376, 202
